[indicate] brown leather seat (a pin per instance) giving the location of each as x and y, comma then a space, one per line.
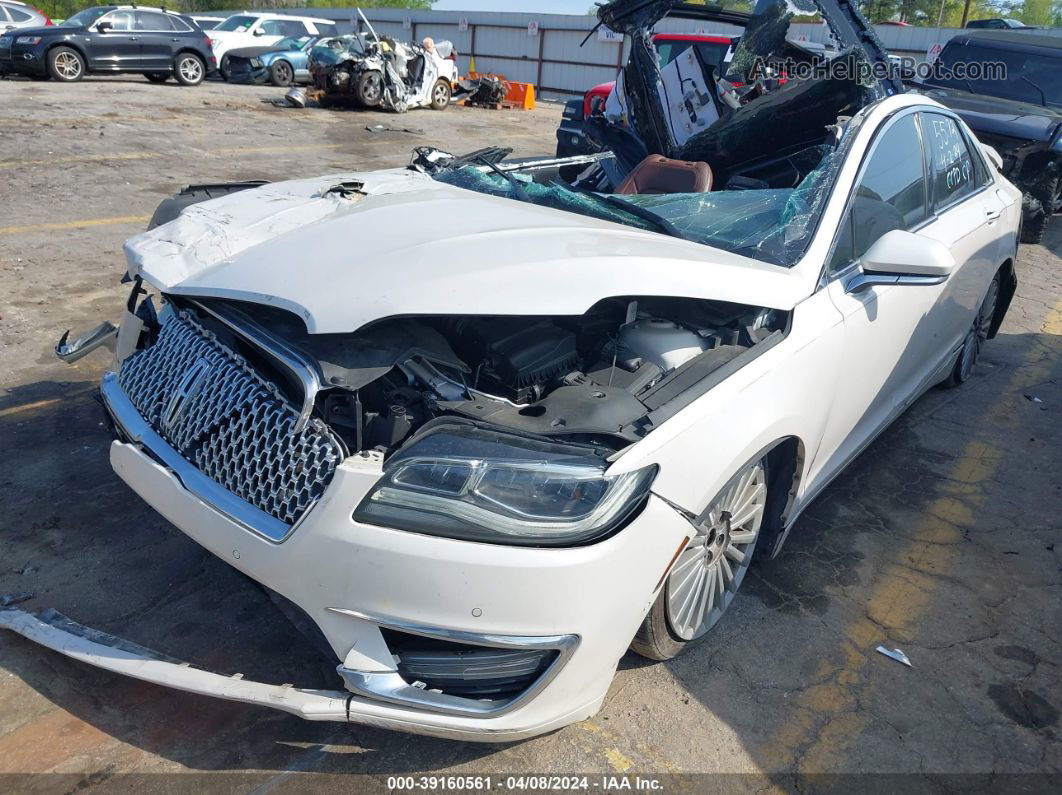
659, 174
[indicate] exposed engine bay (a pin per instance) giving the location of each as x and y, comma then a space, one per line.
606, 377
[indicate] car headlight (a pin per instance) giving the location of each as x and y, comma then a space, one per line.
467, 482
1056, 140
28, 40
256, 62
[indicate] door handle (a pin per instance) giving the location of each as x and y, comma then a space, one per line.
174, 39
992, 215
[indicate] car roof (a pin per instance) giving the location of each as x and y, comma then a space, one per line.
271, 15
1015, 38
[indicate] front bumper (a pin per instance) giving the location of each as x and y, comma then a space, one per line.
23, 61
246, 74
358, 582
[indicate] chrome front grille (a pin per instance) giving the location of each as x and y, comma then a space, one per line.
234, 426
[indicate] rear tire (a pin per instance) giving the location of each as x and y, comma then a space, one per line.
281, 74
189, 69
223, 68
975, 337
440, 95
65, 64
708, 572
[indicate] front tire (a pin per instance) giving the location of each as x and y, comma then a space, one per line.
440, 95
708, 572
975, 337
66, 64
223, 68
281, 74
189, 69
369, 90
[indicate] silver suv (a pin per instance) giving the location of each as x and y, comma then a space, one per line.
14, 15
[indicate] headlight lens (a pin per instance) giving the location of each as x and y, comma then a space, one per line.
1056, 142
28, 40
467, 482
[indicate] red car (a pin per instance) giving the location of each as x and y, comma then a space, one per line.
571, 140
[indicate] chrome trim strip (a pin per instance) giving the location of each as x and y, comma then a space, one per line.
862, 281
389, 686
299, 365
135, 428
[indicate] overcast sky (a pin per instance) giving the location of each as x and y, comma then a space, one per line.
539, 6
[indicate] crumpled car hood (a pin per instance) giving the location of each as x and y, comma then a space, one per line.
403, 244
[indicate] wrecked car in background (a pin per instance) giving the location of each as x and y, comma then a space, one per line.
376, 72
1019, 114
485, 453
281, 64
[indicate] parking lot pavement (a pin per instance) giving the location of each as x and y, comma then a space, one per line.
941, 539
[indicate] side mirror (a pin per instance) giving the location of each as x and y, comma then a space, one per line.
258, 32
104, 27
900, 257
903, 253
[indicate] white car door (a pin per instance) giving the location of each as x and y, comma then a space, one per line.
894, 335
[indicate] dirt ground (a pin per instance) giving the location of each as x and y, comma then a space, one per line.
941, 539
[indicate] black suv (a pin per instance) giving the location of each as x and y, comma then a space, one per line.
1019, 115
109, 39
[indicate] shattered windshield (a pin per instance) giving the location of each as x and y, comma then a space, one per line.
774, 225
332, 51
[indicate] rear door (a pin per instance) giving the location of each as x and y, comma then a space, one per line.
965, 216
157, 40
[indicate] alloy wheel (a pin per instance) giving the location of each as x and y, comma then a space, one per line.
978, 333
710, 569
68, 65
440, 96
190, 70
373, 88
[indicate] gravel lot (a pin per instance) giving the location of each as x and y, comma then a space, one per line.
940, 539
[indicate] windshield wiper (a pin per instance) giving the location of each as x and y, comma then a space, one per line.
1043, 96
518, 189
659, 221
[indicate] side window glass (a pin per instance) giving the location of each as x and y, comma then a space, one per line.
951, 164
891, 193
120, 20
178, 24
271, 27
843, 252
293, 29
17, 15
152, 20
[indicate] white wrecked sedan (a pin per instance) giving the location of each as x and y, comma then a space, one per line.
486, 431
